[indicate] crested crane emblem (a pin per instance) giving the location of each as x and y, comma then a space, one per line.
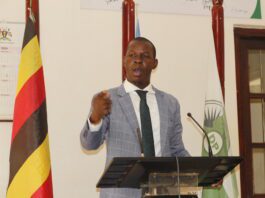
5, 34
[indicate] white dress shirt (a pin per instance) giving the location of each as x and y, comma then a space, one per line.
153, 108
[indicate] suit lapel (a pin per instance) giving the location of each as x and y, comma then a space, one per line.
163, 114
127, 108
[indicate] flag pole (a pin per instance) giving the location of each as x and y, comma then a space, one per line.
128, 27
218, 32
32, 8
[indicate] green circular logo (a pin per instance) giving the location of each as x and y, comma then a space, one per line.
216, 142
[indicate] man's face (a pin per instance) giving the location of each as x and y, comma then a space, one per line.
139, 62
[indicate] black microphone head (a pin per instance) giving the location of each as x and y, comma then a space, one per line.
189, 114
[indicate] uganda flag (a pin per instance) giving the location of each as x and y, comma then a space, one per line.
30, 167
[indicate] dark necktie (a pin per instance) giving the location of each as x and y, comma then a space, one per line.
146, 125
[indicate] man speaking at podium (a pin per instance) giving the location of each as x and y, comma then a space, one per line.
135, 117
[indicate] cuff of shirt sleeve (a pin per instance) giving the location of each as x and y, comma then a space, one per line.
94, 127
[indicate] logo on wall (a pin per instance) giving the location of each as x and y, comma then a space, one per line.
5, 34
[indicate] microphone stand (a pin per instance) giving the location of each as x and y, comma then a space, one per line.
205, 133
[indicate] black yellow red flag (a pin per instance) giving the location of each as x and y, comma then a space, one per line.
30, 166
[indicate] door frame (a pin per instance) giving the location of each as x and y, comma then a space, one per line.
244, 39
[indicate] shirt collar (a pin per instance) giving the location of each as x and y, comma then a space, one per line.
129, 87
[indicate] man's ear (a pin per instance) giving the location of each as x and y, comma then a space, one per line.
123, 66
155, 64
123, 61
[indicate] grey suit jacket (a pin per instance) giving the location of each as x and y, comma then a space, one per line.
119, 129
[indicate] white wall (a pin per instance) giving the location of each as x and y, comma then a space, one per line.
11, 10
81, 52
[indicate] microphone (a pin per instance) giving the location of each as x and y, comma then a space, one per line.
205, 133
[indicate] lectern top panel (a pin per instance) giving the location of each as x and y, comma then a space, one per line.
132, 172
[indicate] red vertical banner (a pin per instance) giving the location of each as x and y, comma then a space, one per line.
218, 32
34, 5
128, 27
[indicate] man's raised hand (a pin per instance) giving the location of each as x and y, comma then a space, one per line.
101, 106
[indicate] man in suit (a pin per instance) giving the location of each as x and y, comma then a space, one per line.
117, 117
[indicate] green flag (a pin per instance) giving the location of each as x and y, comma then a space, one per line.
257, 12
216, 127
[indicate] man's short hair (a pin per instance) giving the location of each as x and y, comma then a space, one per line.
143, 39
